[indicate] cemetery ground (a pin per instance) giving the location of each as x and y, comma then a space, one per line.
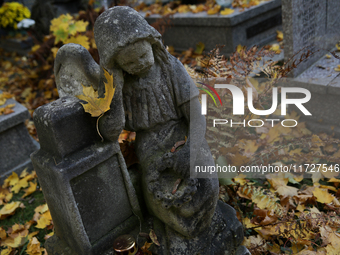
281, 214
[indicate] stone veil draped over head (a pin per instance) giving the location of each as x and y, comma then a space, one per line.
118, 27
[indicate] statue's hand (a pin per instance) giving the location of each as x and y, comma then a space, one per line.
179, 161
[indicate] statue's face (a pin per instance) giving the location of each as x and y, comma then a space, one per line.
136, 58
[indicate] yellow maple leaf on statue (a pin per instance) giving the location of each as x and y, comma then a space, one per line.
95, 105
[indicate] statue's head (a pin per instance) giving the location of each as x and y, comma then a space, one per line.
124, 39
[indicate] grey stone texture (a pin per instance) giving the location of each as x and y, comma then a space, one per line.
154, 97
314, 25
16, 143
84, 181
309, 25
253, 26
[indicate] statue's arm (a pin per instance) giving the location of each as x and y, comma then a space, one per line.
113, 121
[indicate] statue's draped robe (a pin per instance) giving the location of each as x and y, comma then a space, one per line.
152, 108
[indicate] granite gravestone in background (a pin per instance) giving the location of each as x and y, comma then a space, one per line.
304, 24
16, 143
315, 25
309, 25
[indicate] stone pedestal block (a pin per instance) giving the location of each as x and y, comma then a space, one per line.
253, 26
16, 143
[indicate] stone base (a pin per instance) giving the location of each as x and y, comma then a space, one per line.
224, 237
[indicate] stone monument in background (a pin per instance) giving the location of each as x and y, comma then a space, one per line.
315, 26
16, 143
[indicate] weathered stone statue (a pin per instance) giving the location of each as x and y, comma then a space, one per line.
156, 98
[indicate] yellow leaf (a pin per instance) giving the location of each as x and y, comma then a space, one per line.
279, 35
3, 234
32, 234
15, 242
12, 179
337, 46
214, 10
47, 215
240, 179
48, 235
44, 220
145, 248
328, 56
277, 180
30, 190
328, 187
41, 208
300, 208
255, 241
5, 196
198, 8
287, 191
81, 25
240, 48
35, 47
199, 48
275, 47
33, 247
6, 251
337, 68
9, 209
322, 195
227, 11
334, 180
247, 223
183, 8
97, 106
80, 39
24, 173
23, 183
57, 22
43, 223
54, 51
